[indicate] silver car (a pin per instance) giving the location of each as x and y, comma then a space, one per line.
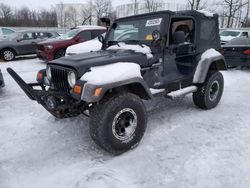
23, 43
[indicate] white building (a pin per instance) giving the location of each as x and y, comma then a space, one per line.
71, 14
140, 8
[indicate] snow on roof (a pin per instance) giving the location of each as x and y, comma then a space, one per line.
137, 48
112, 73
206, 13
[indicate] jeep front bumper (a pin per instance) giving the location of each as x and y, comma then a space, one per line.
60, 105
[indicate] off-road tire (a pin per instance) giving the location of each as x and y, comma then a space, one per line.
8, 55
60, 53
202, 97
102, 118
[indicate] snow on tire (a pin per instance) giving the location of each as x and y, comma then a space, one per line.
118, 123
209, 94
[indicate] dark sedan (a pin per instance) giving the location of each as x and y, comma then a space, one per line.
23, 43
1, 80
237, 52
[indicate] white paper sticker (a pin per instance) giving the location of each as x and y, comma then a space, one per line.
153, 22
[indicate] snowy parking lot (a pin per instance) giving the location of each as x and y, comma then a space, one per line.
183, 145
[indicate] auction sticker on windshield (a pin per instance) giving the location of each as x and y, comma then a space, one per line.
153, 22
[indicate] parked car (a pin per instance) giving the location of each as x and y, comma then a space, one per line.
227, 35
237, 52
5, 32
1, 80
23, 43
110, 85
54, 49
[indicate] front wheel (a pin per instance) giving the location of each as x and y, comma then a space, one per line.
118, 123
59, 54
8, 55
209, 94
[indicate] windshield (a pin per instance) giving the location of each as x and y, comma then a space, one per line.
139, 30
70, 34
13, 36
229, 33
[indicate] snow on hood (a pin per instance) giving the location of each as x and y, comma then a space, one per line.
206, 13
112, 73
137, 48
84, 47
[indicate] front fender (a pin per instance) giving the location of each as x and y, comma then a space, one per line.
134, 85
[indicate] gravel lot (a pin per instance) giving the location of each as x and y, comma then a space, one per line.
183, 145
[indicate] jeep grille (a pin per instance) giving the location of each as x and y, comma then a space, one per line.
59, 78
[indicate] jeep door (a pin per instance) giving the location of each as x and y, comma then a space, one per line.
180, 53
26, 43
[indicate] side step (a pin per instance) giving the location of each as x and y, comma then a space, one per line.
181, 92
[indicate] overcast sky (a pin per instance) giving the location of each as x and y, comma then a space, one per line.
47, 3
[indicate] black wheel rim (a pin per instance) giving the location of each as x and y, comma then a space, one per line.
124, 124
214, 90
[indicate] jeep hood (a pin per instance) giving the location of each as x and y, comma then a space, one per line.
83, 62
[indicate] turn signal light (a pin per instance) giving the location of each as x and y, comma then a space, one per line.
39, 76
246, 52
97, 92
77, 89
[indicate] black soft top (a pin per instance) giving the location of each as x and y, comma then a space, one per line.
206, 31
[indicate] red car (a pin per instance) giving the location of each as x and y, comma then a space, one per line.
56, 48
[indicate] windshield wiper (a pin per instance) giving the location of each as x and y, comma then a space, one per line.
110, 43
134, 41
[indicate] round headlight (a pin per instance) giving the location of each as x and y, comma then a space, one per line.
48, 73
71, 79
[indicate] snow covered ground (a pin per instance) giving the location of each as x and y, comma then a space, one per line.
183, 145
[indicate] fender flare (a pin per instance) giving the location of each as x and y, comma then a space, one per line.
134, 85
216, 61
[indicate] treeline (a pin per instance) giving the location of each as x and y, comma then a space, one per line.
24, 17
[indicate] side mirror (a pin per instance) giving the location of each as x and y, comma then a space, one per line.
156, 35
105, 20
101, 39
18, 39
77, 38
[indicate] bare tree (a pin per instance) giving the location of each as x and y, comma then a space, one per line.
135, 6
232, 7
86, 14
103, 8
5, 12
197, 4
152, 5
24, 17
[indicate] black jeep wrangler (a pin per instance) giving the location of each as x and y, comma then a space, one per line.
175, 53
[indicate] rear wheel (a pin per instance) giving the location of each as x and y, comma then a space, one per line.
118, 123
60, 53
209, 94
8, 55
